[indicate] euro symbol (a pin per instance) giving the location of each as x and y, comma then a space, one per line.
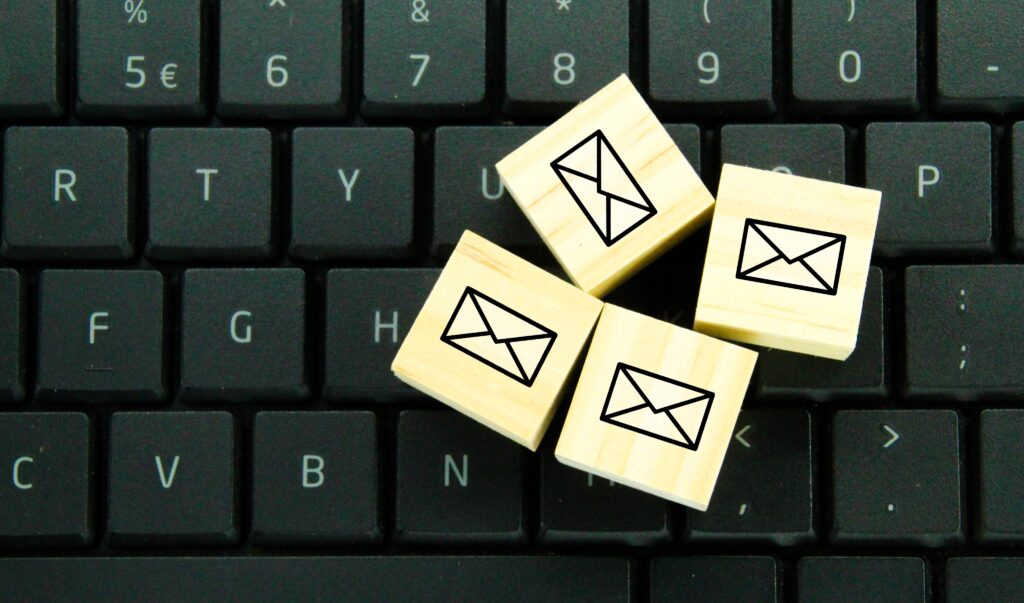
167, 76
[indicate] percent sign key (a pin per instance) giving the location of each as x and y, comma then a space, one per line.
140, 59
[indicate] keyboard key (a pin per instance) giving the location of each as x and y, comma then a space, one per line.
424, 59
273, 579
815, 151
715, 56
66, 194
210, 194
687, 138
1018, 185
138, 60
457, 481
779, 510
980, 55
896, 477
32, 55
960, 342
172, 479
243, 335
282, 58
352, 192
577, 507
1002, 456
936, 183
314, 478
468, 192
730, 579
12, 367
563, 52
369, 313
783, 375
972, 579
859, 579
857, 57
46, 493
101, 335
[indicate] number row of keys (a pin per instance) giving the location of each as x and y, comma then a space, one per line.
281, 58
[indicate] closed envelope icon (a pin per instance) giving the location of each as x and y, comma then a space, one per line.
604, 188
791, 256
657, 406
498, 336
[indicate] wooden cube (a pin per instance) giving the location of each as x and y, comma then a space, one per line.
655, 407
496, 339
787, 262
606, 188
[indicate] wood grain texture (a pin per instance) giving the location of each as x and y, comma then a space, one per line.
769, 315
682, 201
635, 459
510, 407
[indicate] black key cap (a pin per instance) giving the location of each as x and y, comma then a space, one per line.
139, 60
1002, 456
172, 479
457, 481
368, 314
712, 55
32, 55
282, 58
855, 56
66, 194
273, 579
980, 55
12, 367
859, 579
243, 335
425, 58
562, 52
972, 579
210, 194
815, 151
352, 192
101, 335
787, 375
46, 493
1018, 186
730, 579
577, 507
961, 331
936, 182
777, 511
896, 477
468, 192
687, 138
319, 487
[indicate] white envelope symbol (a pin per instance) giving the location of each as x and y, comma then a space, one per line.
603, 187
791, 256
498, 336
657, 406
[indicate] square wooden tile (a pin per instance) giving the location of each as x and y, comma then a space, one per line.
496, 339
655, 406
787, 262
606, 188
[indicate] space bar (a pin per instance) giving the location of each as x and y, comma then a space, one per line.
285, 579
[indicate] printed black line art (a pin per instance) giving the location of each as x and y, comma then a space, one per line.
791, 256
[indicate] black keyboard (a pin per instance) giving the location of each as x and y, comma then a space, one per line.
218, 219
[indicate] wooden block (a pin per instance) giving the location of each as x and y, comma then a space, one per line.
655, 406
496, 339
787, 262
606, 188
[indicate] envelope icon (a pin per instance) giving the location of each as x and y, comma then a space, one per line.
657, 406
498, 336
791, 256
603, 188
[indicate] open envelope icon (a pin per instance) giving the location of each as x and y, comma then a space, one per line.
498, 336
603, 187
790, 256
657, 406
